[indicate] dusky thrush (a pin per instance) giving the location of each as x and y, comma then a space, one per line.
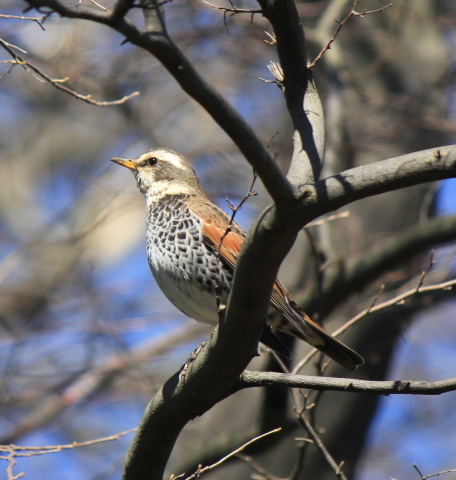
194, 266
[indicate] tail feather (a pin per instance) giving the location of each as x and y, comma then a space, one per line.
306, 329
339, 352
290, 319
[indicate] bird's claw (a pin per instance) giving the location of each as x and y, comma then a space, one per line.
191, 359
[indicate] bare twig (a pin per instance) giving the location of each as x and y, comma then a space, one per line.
300, 460
16, 451
234, 10
337, 469
10, 45
424, 477
97, 5
57, 83
425, 272
200, 471
376, 297
399, 299
38, 20
299, 408
235, 209
353, 13
22, 451
271, 139
277, 71
257, 467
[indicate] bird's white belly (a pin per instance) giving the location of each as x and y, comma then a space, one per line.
188, 297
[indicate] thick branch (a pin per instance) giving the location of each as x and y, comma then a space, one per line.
301, 95
380, 177
393, 387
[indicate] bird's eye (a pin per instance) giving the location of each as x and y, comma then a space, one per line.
150, 162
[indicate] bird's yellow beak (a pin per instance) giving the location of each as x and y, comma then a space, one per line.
125, 163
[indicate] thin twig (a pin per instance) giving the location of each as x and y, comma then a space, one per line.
304, 442
321, 447
33, 451
98, 5
399, 299
16, 451
376, 297
271, 139
57, 82
257, 467
353, 13
234, 10
10, 45
38, 20
200, 471
220, 307
424, 477
425, 272
234, 209
272, 38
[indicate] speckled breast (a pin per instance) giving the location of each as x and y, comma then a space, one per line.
187, 271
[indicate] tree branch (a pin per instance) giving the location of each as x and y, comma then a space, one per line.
121, 8
200, 471
307, 425
380, 177
351, 14
394, 387
301, 95
57, 83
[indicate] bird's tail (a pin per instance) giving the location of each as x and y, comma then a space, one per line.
319, 338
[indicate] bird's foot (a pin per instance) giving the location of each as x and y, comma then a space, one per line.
191, 359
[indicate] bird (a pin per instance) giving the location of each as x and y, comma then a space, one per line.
192, 249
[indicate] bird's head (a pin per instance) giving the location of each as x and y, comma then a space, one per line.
161, 171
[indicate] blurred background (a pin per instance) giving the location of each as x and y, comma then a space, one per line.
86, 337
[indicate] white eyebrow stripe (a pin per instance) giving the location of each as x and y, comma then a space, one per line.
169, 157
